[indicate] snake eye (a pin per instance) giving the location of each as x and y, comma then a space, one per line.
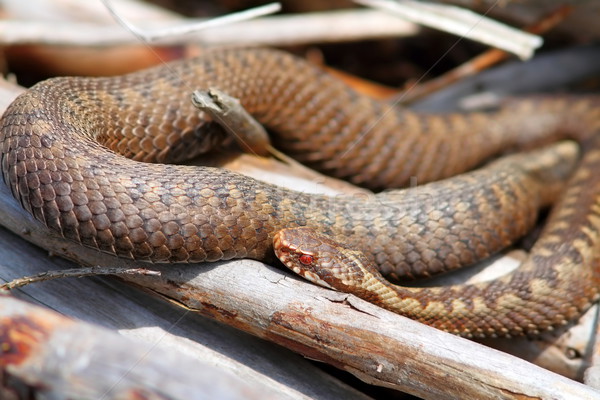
306, 259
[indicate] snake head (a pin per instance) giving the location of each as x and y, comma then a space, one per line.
296, 249
317, 257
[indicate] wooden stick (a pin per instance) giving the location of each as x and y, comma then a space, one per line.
183, 29
144, 318
463, 23
479, 63
75, 273
333, 26
51, 356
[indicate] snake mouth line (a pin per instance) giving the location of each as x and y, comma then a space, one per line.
311, 276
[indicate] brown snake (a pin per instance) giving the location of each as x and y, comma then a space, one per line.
54, 141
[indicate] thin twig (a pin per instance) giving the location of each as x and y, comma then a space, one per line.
151, 35
481, 62
228, 112
76, 273
249, 134
462, 22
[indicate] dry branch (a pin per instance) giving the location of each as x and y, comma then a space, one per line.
581, 25
147, 319
179, 30
73, 273
463, 23
51, 356
333, 26
479, 63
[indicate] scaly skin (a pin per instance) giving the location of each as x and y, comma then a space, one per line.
559, 280
54, 137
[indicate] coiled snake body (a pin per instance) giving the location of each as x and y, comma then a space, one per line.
59, 142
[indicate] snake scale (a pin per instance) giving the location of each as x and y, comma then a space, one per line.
59, 143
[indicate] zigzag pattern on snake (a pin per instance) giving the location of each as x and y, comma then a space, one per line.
59, 142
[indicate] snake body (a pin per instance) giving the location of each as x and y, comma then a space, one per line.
59, 144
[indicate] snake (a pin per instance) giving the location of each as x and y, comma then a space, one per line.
102, 161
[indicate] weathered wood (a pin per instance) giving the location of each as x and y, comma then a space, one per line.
291, 29
147, 319
374, 344
48, 355
581, 24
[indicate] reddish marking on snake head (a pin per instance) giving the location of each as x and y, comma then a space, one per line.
306, 259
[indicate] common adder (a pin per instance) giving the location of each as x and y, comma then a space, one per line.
59, 142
